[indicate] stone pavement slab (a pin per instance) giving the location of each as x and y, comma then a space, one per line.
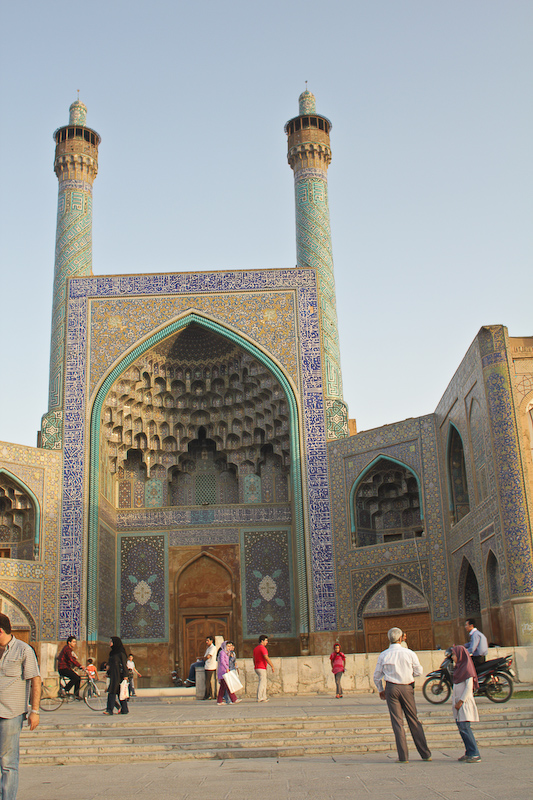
505, 774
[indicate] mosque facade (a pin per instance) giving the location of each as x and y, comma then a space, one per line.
196, 470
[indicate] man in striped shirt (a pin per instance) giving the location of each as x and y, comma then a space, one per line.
19, 681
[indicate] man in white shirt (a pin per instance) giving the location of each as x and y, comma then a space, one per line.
210, 661
477, 645
398, 667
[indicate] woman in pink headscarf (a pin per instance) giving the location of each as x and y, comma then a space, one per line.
338, 661
464, 706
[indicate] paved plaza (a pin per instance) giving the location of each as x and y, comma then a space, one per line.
505, 772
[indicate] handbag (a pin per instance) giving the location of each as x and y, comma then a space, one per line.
124, 691
233, 682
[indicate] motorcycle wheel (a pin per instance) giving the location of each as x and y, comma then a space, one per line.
499, 687
435, 690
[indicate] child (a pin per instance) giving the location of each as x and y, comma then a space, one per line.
132, 672
90, 669
338, 660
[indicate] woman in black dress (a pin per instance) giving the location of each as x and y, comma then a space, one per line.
117, 670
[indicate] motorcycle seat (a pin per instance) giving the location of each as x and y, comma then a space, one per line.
487, 666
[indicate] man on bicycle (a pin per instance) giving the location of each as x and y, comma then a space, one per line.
66, 661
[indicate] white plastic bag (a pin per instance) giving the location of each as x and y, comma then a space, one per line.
233, 682
124, 692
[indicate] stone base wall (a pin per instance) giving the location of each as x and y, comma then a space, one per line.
312, 674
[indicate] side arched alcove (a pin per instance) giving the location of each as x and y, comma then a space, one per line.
20, 519
386, 503
195, 453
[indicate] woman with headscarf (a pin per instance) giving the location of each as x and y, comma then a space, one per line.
117, 670
223, 667
465, 682
338, 662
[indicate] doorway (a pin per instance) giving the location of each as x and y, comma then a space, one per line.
205, 607
194, 630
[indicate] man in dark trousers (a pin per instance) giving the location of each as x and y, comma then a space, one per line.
66, 661
398, 667
477, 644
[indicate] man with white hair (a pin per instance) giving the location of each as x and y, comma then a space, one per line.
398, 667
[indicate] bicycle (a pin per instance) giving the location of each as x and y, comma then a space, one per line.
92, 691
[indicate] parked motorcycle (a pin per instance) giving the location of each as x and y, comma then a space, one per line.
495, 680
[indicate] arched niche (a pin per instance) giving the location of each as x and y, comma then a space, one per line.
386, 503
492, 571
457, 481
151, 403
468, 591
19, 519
395, 602
205, 606
22, 621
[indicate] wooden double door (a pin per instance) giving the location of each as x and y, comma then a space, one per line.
417, 626
194, 629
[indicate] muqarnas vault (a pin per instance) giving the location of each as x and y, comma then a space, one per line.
197, 472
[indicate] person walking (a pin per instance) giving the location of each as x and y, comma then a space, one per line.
465, 683
117, 670
338, 663
19, 679
223, 667
232, 663
399, 667
261, 661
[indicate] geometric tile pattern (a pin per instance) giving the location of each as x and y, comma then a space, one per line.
267, 583
517, 538
142, 588
73, 257
117, 324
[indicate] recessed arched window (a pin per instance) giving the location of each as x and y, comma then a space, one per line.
19, 520
493, 580
471, 591
459, 499
387, 504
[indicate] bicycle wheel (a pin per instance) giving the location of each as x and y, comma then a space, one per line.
49, 701
95, 695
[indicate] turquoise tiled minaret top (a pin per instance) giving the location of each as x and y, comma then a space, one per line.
309, 154
307, 103
76, 166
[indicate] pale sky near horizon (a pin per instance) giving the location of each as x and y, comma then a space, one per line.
429, 187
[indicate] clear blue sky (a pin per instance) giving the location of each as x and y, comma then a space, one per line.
430, 185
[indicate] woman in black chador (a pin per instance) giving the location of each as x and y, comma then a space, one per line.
117, 670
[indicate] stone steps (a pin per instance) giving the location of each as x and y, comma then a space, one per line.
107, 741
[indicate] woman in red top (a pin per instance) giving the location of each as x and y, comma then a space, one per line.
338, 660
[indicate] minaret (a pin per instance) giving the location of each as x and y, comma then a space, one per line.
76, 165
309, 154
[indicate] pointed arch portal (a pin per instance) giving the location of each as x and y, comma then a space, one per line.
95, 461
